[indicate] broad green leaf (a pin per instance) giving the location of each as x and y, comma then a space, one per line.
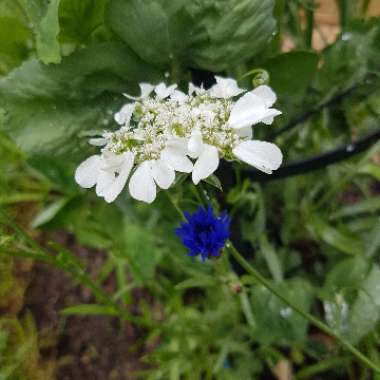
275, 321
351, 58
292, 73
47, 107
356, 308
45, 127
48, 48
14, 37
42, 17
347, 274
205, 34
109, 66
229, 32
79, 19
90, 309
365, 312
147, 27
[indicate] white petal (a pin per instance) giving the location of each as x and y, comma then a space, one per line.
105, 180
195, 144
179, 96
245, 132
248, 110
163, 91
141, 185
177, 159
98, 141
111, 161
225, 88
87, 172
163, 174
266, 94
195, 89
270, 115
260, 154
117, 185
123, 117
206, 164
146, 89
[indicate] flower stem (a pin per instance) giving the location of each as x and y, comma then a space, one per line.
314, 321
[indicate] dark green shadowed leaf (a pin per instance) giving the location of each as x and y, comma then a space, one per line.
206, 34
145, 26
291, 73
229, 32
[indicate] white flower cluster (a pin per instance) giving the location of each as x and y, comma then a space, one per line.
166, 131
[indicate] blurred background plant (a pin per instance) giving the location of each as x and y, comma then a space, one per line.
126, 302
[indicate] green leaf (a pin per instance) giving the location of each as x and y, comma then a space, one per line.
138, 248
365, 312
201, 281
148, 27
90, 309
373, 242
214, 181
52, 127
48, 49
271, 258
79, 19
351, 58
275, 321
371, 169
48, 106
292, 73
347, 274
13, 43
229, 32
49, 212
338, 239
58, 171
206, 34
359, 208
109, 66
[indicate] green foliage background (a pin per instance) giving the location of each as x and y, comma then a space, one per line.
64, 65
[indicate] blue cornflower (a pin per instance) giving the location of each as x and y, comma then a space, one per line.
203, 233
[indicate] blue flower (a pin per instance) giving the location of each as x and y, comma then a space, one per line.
203, 233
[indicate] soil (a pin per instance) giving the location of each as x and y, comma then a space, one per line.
95, 347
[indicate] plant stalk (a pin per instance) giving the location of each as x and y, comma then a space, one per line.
314, 321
